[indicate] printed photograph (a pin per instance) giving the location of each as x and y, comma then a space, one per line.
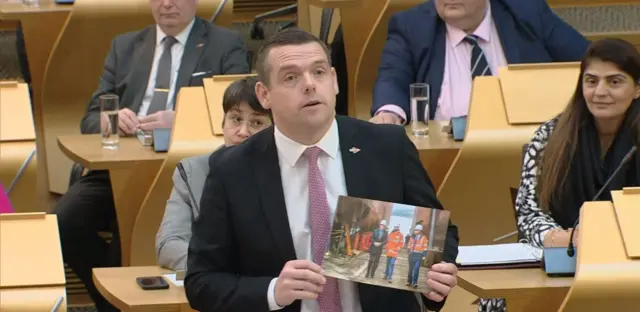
385, 244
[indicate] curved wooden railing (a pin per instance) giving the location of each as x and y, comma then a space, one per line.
368, 59
76, 64
18, 146
196, 131
504, 112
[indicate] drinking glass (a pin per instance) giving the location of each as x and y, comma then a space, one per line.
419, 100
109, 106
31, 3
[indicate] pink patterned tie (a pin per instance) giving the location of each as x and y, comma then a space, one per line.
329, 299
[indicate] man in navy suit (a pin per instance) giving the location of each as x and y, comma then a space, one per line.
446, 43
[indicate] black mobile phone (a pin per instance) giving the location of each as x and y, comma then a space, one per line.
152, 282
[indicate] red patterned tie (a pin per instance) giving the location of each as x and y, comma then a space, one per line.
329, 299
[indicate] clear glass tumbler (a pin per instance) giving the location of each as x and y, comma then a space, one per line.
419, 100
109, 106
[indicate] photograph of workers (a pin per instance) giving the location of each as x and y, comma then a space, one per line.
385, 244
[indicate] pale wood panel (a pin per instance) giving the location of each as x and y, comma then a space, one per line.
191, 136
118, 286
16, 119
214, 89
63, 107
626, 205
30, 252
32, 299
477, 188
604, 281
530, 96
17, 147
526, 290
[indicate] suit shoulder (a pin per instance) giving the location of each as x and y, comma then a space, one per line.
130, 36
383, 133
419, 12
229, 158
196, 162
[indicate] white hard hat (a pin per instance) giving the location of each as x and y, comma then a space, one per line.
383, 222
418, 227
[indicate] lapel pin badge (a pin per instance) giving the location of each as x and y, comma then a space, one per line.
200, 45
354, 150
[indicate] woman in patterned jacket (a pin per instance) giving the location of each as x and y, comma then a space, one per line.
571, 156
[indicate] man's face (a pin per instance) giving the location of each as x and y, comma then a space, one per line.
461, 13
241, 122
173, 15
302, 87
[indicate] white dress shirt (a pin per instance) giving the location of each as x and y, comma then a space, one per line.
295, 184
176, 58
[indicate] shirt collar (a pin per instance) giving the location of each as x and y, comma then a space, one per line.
457, 35
291, 150
181, 37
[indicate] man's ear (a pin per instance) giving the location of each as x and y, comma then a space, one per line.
262, 92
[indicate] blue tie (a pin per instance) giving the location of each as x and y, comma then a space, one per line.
479, 64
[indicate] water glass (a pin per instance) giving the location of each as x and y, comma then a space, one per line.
31, 3
419, 100
109, 106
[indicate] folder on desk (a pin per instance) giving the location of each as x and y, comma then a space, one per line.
499, 256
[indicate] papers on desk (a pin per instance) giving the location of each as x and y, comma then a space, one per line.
171, 277
500, 255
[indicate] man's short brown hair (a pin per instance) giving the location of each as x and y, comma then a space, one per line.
289, 36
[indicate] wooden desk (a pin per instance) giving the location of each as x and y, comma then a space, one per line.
41, 26
524, 289
437, 151
32, 299
31, 270
118, 286
133, 169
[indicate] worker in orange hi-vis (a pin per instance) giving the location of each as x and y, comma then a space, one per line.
394, 243
417, 250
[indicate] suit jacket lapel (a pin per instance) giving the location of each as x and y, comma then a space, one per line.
191, 55
267, 172
142, 61
353, 165
507, 31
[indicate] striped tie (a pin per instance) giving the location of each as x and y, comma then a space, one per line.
479, 64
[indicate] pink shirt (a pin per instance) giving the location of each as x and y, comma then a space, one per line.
455, 91
5, 205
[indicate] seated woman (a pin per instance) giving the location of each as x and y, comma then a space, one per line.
571, 156
243, 117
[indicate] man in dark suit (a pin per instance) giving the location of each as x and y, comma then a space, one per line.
446, 43
267, 204
378, 242
145, 69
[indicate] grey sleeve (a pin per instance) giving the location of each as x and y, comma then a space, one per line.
172, 239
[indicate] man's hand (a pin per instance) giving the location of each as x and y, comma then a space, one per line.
386, 118
441, 279
160, 119
299, 280
127, 121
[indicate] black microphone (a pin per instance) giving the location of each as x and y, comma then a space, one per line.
570, 249
183, 174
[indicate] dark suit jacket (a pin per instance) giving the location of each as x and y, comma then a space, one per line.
242, 238
415, 50
210, 48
